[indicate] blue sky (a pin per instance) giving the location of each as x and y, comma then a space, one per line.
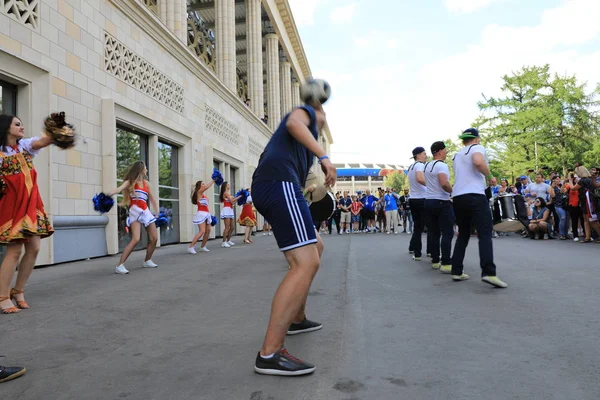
408, 73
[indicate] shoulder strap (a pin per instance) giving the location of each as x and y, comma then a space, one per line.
469, 149
433, 166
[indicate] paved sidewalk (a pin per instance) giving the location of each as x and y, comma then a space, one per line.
393, 328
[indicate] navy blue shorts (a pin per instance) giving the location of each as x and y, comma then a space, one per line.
286, 209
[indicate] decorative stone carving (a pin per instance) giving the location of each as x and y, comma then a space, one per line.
132, 69
255, 148
242, 86
221, 126
26, 12
201, 40
152, 5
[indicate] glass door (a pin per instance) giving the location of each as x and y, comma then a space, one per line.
168, 193
131, 147
217, 204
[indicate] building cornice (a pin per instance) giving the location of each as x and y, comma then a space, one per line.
148, 22
285, 11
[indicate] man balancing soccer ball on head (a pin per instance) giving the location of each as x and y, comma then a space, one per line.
276, 189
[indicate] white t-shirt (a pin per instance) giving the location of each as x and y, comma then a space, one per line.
417, 191
24, 144
467, 178
434, 189
540, 189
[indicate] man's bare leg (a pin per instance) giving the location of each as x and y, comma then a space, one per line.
302, 313
291, 295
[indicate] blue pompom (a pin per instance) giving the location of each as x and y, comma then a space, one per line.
243, 194
161, 220
103, 203
213, 220
217, 177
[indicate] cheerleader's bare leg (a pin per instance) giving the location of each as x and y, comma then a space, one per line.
226, 222
200, 234
152, 240
136, 230
206, 235
32, 248
7, 271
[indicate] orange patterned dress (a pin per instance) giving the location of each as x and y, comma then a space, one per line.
247, 217
22, 212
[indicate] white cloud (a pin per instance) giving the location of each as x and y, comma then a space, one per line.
466, 6
417, 105
344, 14
304, 11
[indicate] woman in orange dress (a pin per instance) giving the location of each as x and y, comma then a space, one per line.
247, 219
23, 221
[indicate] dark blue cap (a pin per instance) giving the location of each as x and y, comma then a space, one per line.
470, 133
418, 150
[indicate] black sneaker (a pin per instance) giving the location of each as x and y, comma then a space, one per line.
9, 373
303, 327
282, 363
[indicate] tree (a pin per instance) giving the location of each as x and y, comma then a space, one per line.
396, 180
543, 120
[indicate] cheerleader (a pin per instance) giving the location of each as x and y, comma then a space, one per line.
247, 219
23, 221
202, 217
227, 214
267, 228
136, 194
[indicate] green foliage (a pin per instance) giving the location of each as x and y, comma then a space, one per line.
396, 180
543, 120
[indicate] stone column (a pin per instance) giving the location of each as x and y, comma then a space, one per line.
162, 10
273, 94
171, 14
286, 88
225, 48
255, 57
296, 94
181, 20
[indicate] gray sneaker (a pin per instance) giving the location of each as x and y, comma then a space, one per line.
303, 327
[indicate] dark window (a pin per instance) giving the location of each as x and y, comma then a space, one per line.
8, 98
131, 147
168, 193
217, 204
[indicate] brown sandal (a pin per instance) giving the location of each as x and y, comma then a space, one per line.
9, 310
22, 304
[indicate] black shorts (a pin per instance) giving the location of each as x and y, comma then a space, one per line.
286, 209
368, 214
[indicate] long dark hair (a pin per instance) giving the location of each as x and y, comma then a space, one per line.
223, 189
542, 202
132, 175
194, 195
5, 123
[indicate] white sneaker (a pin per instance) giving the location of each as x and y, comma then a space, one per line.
408, 232
576, 239
150, 264
225, 244
231, 243
270, 234
191, 250
388, 232
264, 233
121, 270
395, 232
204, 249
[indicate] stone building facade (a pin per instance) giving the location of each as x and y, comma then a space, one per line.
162, 81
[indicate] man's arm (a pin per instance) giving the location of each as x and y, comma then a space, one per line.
421, 177
481, 164
445, 182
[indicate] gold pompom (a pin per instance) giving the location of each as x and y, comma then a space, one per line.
62, 133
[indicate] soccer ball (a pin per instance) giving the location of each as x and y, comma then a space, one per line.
315, 92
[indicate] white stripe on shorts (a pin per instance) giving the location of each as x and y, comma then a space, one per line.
296, 213
289, 203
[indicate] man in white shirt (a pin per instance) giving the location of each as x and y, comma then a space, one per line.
471, 208
416, 179
540, 188
438, 208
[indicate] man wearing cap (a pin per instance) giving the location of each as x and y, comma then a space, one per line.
438, 208
471, 208
416, 179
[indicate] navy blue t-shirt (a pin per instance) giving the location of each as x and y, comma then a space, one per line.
284, 159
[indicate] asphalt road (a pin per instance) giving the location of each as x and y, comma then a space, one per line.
393, 328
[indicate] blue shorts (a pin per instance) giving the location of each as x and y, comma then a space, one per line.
355, 218
286, 209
